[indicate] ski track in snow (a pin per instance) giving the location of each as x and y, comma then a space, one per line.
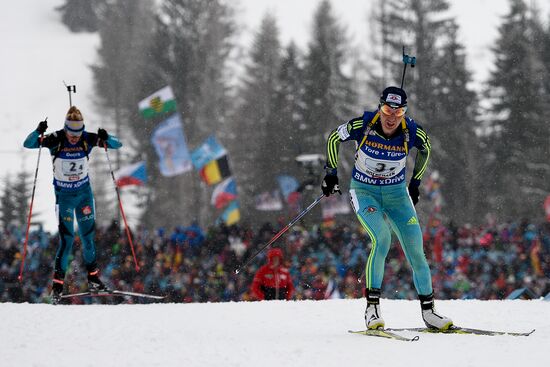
272, 333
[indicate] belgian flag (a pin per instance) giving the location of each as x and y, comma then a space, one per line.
215, 171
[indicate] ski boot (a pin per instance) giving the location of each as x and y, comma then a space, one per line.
57, 291
432, 319
95, 285
373, 318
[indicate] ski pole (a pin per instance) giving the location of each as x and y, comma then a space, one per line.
121, 208
20, 277
281, 232
359, 280
406, 61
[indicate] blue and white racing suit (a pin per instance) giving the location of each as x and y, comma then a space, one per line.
73, 193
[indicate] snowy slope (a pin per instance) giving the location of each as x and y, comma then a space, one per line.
274, 333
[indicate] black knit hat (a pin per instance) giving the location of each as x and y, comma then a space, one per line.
394, 96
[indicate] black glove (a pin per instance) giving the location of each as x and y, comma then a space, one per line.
42, 127
102, 134
330, 185
414, 192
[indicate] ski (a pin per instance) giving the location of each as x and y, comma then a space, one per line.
381, 333
111, 293
461, 330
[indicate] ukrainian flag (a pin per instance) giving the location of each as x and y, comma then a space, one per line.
231, 214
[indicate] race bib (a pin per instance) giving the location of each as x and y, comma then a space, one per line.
70, 170
379, 168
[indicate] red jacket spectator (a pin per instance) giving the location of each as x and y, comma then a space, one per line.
273, 281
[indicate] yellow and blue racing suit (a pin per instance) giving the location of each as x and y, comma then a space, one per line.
378, 191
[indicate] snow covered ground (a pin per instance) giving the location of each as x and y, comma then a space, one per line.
273, 333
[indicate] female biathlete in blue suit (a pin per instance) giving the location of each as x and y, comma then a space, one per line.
70, 149
378, 193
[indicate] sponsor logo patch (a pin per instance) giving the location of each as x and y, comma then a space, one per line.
412, 221
87, 210
393, 98
343, 131
370, 210
87, 217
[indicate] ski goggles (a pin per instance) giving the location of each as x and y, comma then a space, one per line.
386, 109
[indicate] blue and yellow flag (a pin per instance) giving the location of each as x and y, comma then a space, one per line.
231, 214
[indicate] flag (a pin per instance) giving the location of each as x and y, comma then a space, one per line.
133, 174
231, 214
294, 201
224, 192
288, 185
215, 171
169, 142
335, 204
269, 201
162, 101
547, 208
209, 150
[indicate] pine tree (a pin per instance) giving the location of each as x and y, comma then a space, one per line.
329, 98
80, 15
256, 117
7, 206
453, 135
545, 51
190, 48
287, 115
439, 97
386, 40
124, 29
519, 108
21, 195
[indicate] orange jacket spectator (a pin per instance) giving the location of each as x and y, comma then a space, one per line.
273, 281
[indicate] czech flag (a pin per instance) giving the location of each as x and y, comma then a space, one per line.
225, 192
134, 174
215, 170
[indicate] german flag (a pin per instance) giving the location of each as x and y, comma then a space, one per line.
215, 170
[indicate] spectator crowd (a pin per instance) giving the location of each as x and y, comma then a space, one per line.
187, 264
